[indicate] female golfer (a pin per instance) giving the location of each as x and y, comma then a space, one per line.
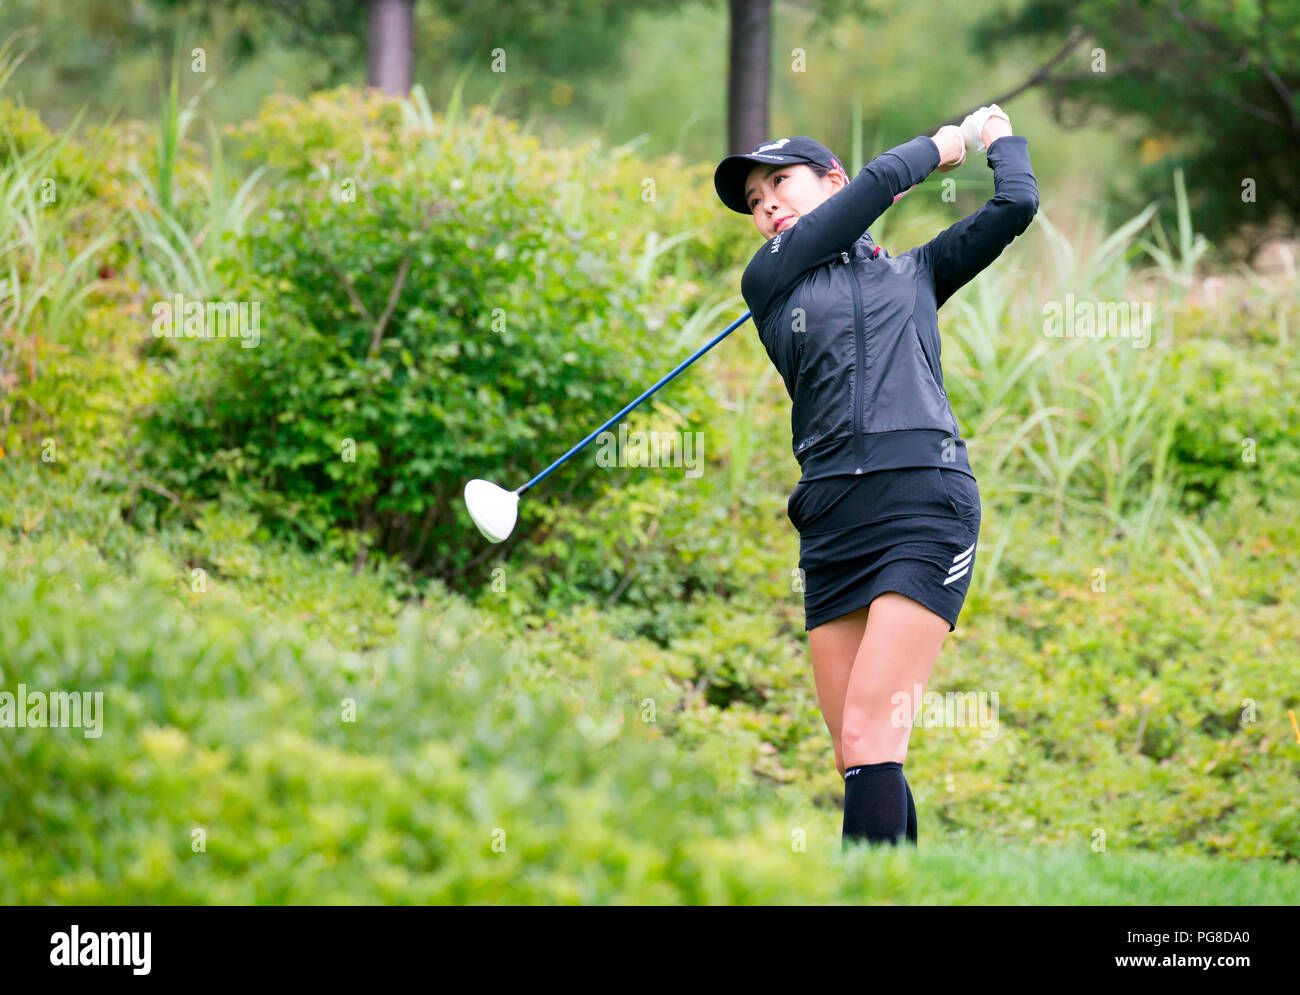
887, 507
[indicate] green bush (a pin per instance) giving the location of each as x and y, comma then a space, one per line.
239, 762
619, 771
54, 231
473, 312
1238, 420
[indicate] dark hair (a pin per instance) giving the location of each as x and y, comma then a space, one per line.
821, 171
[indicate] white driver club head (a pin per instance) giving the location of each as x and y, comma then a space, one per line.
493, 509
496, 510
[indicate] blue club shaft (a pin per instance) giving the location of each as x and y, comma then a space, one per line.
681, 366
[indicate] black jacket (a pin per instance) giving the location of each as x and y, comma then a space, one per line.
854, 332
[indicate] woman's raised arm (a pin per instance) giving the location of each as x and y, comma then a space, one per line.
958, 253
835, 224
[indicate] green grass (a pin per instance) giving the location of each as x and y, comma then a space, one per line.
223, 713
945, 873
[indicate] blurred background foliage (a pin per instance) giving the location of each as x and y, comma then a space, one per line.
1201, 84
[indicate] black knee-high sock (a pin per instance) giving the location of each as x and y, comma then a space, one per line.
875, 803
911, 813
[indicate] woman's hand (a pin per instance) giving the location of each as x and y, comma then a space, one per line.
984, 126
997, 125
952, 147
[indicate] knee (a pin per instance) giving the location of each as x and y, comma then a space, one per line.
868, 739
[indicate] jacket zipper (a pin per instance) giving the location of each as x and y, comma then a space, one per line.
860, 379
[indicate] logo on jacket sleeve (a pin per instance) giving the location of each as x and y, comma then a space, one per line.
776, 242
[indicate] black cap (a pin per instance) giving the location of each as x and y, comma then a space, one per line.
729, 177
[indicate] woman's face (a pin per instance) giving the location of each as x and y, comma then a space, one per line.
778, 196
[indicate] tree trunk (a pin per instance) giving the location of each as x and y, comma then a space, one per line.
390, 45
749, 74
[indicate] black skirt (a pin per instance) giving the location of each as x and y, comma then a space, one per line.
912, 531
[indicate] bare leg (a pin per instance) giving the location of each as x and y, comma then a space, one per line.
900, 644
834, 646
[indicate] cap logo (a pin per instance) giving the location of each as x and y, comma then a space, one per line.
774, 145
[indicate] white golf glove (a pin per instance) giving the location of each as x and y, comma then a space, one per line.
972, 129
952, 165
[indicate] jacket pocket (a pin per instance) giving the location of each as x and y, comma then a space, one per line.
930, 364
905, 395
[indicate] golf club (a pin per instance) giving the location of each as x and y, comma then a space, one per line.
495, 510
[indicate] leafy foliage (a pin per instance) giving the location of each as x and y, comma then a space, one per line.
1218, 83
337, 745
438, 303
